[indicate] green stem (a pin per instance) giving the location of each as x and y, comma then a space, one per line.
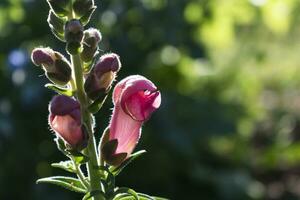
92, 165
81, 175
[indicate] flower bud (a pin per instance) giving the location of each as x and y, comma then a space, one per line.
82, 7
102, 75
65, 121
60, 7
91, 39
73, 35
55, 65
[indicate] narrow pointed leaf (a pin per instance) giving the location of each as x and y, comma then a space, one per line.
65, 182
65, 165
147, 197
92, 194
125, 190
78, 157
97, 104
116, 170
160, 198
59, 90
124, 197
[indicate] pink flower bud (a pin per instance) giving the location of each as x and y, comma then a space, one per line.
91, 39
56, 66
43, 56
65, 120
135, 99
73, 36
102, 75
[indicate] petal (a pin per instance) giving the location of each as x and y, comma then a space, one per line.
118, 90
126, 130
62, 105
67, 128
142, 104
136, 84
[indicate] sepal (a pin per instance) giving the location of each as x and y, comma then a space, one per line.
87, 17
117, 170
78, 157
82, 7
98, 103
63, 91
56, 25
109, 155
60, 7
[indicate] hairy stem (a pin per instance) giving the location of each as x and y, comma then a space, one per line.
92, 165
81, 175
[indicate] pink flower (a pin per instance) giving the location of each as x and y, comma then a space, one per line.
65, 120
135, 98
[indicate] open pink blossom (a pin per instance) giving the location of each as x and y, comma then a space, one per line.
135, 98
65, 120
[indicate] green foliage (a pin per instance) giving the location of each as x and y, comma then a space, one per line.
66, 182
65, 165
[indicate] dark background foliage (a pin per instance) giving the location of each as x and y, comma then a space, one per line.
228, 71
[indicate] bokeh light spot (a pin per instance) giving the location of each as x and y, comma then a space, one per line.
170, 55
108, 18
18, 76
193, 13
17, 59
258, 2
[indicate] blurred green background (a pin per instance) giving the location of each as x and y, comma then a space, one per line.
229, 74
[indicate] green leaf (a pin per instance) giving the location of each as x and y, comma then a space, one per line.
92, 194
59, 90
124, 197
160, 198
61, 145
65, 165
147, 197
116, 170
141, 196
128, 191
98, 103
65, 182
78, 157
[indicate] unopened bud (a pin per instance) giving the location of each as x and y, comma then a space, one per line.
55, 65
65, 121
73, 35
60, 7
91, 39
102, 75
